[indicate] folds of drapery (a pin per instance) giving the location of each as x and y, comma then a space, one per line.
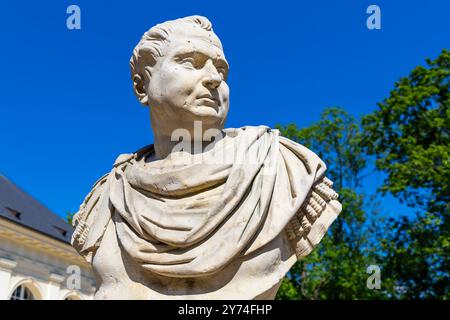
191, 216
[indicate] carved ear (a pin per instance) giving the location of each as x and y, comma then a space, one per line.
139, 89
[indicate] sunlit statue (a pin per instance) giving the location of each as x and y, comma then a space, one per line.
204, 212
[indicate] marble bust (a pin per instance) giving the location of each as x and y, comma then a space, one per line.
204, 212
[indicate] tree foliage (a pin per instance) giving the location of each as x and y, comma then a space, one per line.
407, 138
409, 135
337, 268
69, 217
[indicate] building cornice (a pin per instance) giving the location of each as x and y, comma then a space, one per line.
7, 264
39, 241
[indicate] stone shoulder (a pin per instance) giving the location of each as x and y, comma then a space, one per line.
79, 221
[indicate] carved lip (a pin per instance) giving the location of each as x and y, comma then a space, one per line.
209, 99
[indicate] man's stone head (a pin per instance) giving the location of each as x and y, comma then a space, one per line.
179, 69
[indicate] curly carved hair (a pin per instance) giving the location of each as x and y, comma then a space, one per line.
152, 43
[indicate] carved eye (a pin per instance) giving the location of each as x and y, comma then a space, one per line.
188, 61
222, 72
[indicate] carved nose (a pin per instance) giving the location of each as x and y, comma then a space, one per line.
213, 78
212, 82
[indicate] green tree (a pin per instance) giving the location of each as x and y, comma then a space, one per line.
337, 268
69, 217
409, 135
409, 139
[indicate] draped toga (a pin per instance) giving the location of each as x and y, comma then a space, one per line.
189, 215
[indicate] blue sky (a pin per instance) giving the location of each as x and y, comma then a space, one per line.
66, 101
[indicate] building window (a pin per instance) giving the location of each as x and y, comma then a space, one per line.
15, 213
61, 230
22, 293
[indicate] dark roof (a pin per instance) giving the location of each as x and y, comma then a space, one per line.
21, 208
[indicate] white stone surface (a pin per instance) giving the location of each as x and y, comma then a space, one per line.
187, 218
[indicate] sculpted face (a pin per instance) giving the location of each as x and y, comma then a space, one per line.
189, 82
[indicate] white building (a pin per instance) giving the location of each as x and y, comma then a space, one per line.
36, 259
